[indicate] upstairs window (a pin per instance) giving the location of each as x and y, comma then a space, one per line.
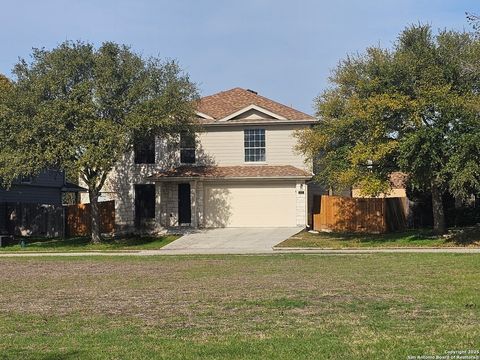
187, 148
254, 143
144, 149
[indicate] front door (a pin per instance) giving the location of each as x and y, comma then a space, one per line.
184, 205
144, 205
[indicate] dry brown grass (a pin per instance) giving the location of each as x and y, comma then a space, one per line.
364, 300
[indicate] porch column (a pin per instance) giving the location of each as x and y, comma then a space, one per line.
158, 207
199, 203
301, 206
193, 202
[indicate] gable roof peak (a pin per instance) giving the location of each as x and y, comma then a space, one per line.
225, 103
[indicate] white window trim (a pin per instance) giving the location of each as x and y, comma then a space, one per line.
253, 107
205, 116
262, 162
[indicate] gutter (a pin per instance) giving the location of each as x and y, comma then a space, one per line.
261, 122
235, 178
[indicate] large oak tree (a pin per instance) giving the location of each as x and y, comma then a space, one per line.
79, 108
413, 108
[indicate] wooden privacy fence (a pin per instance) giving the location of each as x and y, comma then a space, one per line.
370, 215
78, 218
31, 219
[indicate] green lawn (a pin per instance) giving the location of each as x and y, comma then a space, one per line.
372, 306
83, 244
414, 238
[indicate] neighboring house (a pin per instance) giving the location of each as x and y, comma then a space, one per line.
48, 187
25, 206
242, 170
398, 187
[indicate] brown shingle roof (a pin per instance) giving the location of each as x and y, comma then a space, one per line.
228, 102
251, 171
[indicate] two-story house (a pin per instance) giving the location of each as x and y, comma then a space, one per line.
242, 170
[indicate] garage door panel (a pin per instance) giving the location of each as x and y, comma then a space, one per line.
250, 205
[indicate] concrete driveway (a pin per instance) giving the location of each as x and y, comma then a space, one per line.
230, 241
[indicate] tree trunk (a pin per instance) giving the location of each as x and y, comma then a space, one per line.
95, 214
439, 227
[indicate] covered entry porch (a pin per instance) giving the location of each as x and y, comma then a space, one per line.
179, 203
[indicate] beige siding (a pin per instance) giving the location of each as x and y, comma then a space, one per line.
224, 146
280, 144
221, 146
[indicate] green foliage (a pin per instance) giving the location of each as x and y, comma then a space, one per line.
5, 90
84, 244
10, 165
78, 108
5, 84
468, 236
413, 108
293, 306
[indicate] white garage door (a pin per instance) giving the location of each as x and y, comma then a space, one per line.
250, 205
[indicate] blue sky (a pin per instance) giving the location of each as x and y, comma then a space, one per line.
285, 50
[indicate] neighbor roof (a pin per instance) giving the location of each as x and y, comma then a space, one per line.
398, 180
250, 171
71, 187
222, 104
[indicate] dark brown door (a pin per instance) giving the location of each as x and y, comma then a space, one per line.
184, 205
144, 203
